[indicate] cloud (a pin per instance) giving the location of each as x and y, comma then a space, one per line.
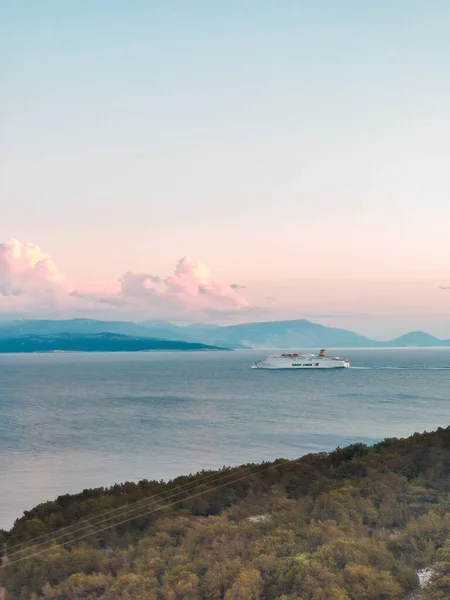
30, 284
24, 269
29, 281
190, 289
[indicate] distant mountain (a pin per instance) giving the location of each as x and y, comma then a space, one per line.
97, 342
303, 334
153, 329
272, 334
86, 326
170, 331
418, 338
198, 332
281, 334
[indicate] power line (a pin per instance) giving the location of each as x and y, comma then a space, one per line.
34, 554
213, 477
126, 509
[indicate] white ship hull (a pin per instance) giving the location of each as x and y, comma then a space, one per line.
334, 365
302, 361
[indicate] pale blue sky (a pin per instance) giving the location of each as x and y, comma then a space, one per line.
279, 142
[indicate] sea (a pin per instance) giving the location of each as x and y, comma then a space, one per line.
71, 421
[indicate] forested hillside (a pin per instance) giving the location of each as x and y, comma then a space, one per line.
355, 524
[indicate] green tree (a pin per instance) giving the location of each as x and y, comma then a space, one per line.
79, 587
133, 587
438, 587
248, 586
366, 583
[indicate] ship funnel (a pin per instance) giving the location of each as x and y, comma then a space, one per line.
322, 352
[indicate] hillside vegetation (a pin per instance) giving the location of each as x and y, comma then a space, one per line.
355, 524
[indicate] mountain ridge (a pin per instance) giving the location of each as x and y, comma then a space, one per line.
295, 333
419, 338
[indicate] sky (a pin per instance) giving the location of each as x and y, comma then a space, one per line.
299, 150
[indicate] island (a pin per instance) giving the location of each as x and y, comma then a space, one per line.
96, 342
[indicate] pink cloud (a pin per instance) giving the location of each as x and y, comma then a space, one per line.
30, 283
29, 280
191, 287
24, 268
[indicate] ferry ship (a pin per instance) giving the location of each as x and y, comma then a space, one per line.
302, 361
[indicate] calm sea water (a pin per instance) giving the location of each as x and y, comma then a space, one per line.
74, 421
